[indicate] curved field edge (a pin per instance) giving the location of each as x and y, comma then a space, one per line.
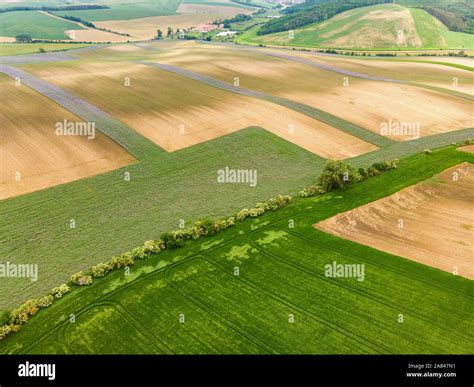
304, 212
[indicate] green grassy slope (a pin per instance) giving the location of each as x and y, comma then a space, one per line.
281, 273
126, 10
377, 27
35, 24
7, 49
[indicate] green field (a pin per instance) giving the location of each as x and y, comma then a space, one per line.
217, 3
35, 24
112, 217
33, 48
125, 11
435, 35
361, 28
190, 300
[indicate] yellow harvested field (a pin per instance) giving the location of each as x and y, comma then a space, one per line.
431, 222
96, 36
145, 28
6, 39
212, 9
33, 157
399, 112
465, 61
175, 112
425, 73
467, 148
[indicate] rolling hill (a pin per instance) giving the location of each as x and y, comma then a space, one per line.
387, 26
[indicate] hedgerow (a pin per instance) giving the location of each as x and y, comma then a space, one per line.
329, 179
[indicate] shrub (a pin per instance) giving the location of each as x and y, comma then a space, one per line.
5, 331
124, 260
372, 171
20, 315
257, 211
139, 253
267, 205
392, 164
336, 175
152, 247
101, 269
242, 214
172, 240
60, 291
380, 166
81, 279
222, 224
427, 151
282, 200
208, 226
45, 301
363, 173
5, 317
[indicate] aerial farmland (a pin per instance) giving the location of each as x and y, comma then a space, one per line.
168, 190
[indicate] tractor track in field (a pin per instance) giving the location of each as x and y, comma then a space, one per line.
211, 312
62, 329
311, 315
310, 271
366, 295
137, 324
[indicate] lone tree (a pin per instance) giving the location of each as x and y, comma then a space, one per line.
337, 175
159, 34
23, 38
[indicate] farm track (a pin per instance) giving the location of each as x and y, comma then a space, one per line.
307, 110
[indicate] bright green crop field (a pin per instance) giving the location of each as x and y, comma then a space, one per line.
33, 48
259, 287
119, 10
35, 24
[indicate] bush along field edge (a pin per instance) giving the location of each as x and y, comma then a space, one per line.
336, 175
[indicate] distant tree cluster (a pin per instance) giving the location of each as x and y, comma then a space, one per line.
79, 20
236, 19
23, 38
460, 19
45, 8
